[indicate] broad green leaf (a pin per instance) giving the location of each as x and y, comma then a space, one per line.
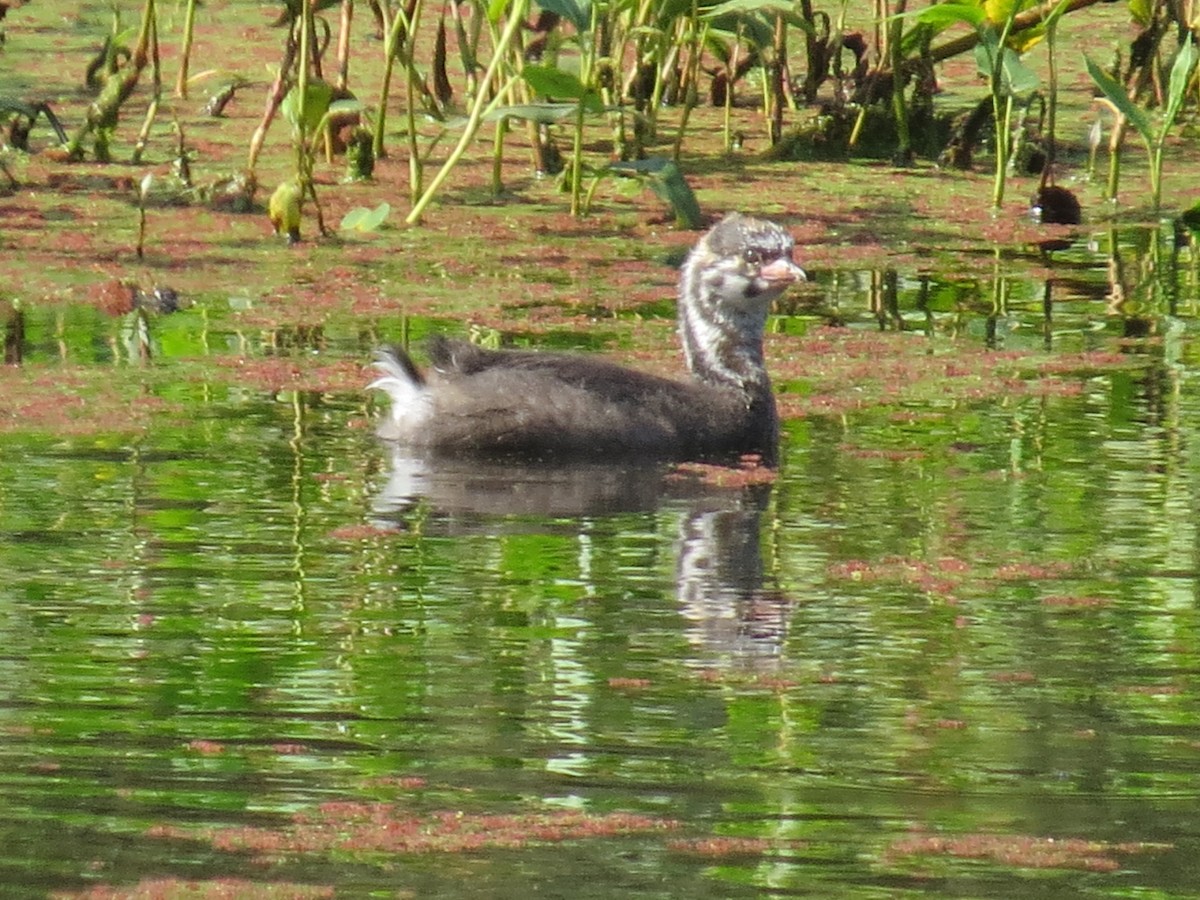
577, 12
1115, 94
756, 25
672, 187
1181, 74
549, 81
755, 30
1016, 78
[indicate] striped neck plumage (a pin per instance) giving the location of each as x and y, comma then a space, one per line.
722, 346
725, 292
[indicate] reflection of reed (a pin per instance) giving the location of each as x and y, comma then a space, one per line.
14, 335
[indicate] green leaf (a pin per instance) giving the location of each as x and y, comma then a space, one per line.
124, 38
496, 9
754, 30
316, 104
1016, 78
549, 81
542, 113
1115, 94
1141, 11
669, 185
1057, 13
362, 219
377, 216
943, 15
577, 12
746, 6
353, 219
1181, 74
345, 107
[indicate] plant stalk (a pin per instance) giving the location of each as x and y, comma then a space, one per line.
479, 106
185, 52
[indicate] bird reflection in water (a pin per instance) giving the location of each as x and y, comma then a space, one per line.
733, 620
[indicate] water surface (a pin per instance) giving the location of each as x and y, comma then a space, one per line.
951, 649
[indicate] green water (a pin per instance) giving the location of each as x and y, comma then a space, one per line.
972, 622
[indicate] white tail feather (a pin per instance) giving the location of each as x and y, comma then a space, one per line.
411, 402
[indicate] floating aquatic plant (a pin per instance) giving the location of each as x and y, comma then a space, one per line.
368, 828
364, 219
